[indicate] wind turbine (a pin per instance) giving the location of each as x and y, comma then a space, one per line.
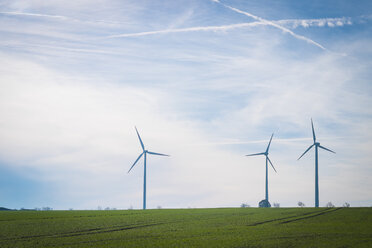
266, 153
316, 144
144, 153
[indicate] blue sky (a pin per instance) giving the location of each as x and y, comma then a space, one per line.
204, 81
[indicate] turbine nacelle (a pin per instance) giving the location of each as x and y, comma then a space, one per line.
316, 144
266, 153
144, 151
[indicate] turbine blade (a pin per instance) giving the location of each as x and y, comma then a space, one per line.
312, 127
135, 162
160, 154
255, 154
326, 148
268, 147
139, 137
306, 151
271, 163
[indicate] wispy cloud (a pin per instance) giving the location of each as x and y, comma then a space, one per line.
242, 142
271, 23
59, 17
37, 15
321, 22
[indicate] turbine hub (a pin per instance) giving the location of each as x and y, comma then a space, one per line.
317, 143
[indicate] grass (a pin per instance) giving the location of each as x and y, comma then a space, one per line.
229, 227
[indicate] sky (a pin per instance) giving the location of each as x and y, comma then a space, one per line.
204, 81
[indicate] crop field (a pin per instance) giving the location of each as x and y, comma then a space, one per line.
225, 227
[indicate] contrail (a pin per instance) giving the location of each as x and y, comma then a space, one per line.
192, 29
294, 23
330, 22
267, 22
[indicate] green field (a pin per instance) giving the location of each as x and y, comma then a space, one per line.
228, 227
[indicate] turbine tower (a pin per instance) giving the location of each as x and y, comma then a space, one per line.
316, 144
266, 153
144, 153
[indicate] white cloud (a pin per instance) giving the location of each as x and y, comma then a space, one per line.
36, 15
321, 22
69, 129
84, 133
64, 18
72, 6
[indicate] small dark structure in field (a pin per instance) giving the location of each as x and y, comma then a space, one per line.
5, 209
264, 204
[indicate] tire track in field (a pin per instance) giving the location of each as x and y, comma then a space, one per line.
106, 231
83, 232
93, 231
289, 217
311, 216
74, 217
